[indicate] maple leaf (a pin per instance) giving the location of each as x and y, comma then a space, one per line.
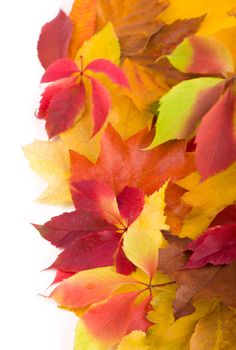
202, 55
125, 163
206, 282
51, 161
221, 193
54, 39
216, 246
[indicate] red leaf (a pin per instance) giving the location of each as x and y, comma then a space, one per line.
125, 163
64, 108
62, 68
97, 197
113, 72
54, 39
123, 265
109, 320
138, 320
130, 203
216, 142
225, 217
88, 252
64, 229
216, 246
101, 104
61, 275
46, 99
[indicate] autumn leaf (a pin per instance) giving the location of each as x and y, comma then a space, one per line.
206, 282
143, 168
84, 340
216, 246
54, 39
96, 227
83, 17
61, 105
136, 340
217, 14
143, 238
215, 330
202, 55
216, 140
51, 161
221, 192
183, 107
134, 21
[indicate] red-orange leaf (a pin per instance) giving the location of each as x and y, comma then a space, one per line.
62, 68
216, 139
54, 39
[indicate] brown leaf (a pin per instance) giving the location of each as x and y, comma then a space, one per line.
207, 282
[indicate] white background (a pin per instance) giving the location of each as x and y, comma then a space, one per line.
28, 321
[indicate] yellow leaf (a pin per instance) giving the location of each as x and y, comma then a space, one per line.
146, 86
125, 117
78, 138
83, 17
207, 199
104, 44
217, 13
168, 334
134, 341
144, 238
216, 331
227, 37
84, 341
51, 161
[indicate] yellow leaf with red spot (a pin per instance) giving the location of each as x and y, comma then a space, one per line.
144, 238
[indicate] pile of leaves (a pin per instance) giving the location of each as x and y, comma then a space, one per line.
139, 104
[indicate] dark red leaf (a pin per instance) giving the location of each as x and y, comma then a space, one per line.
123, 265
130, 203
62, 68
226, 216
54, 39
64, 229
90, 251
216, 246
64, 108
113, 72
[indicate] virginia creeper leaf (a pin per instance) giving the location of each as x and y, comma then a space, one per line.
61, 68
202, 55
183, 107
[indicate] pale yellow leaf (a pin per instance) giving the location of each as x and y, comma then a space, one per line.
51, 161
144, 238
